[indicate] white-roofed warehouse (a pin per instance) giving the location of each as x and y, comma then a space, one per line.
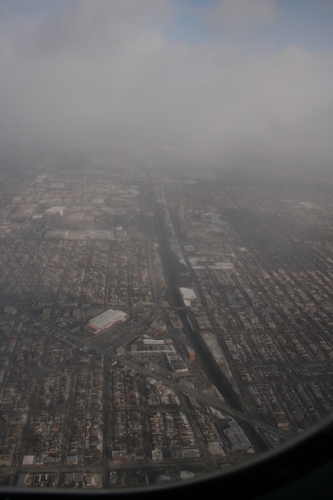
107, 319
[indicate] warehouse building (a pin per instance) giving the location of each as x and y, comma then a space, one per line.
106, 320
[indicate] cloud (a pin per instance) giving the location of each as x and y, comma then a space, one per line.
96, 72
233, 14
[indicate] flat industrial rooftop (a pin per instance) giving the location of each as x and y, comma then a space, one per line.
107, 318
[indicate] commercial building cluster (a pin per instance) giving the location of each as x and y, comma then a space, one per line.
119, 358
261, 269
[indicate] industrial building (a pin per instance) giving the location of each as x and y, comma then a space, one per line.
107, 319
159, 326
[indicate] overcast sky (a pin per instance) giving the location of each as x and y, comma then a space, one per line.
232, 82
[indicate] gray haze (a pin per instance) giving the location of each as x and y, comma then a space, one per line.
230, 83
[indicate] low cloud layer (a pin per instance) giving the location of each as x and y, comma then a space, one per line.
88, 73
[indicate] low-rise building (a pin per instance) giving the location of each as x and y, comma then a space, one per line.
107, 319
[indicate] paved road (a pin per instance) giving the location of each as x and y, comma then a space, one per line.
175, 385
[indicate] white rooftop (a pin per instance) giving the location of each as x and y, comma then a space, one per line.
107, 318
